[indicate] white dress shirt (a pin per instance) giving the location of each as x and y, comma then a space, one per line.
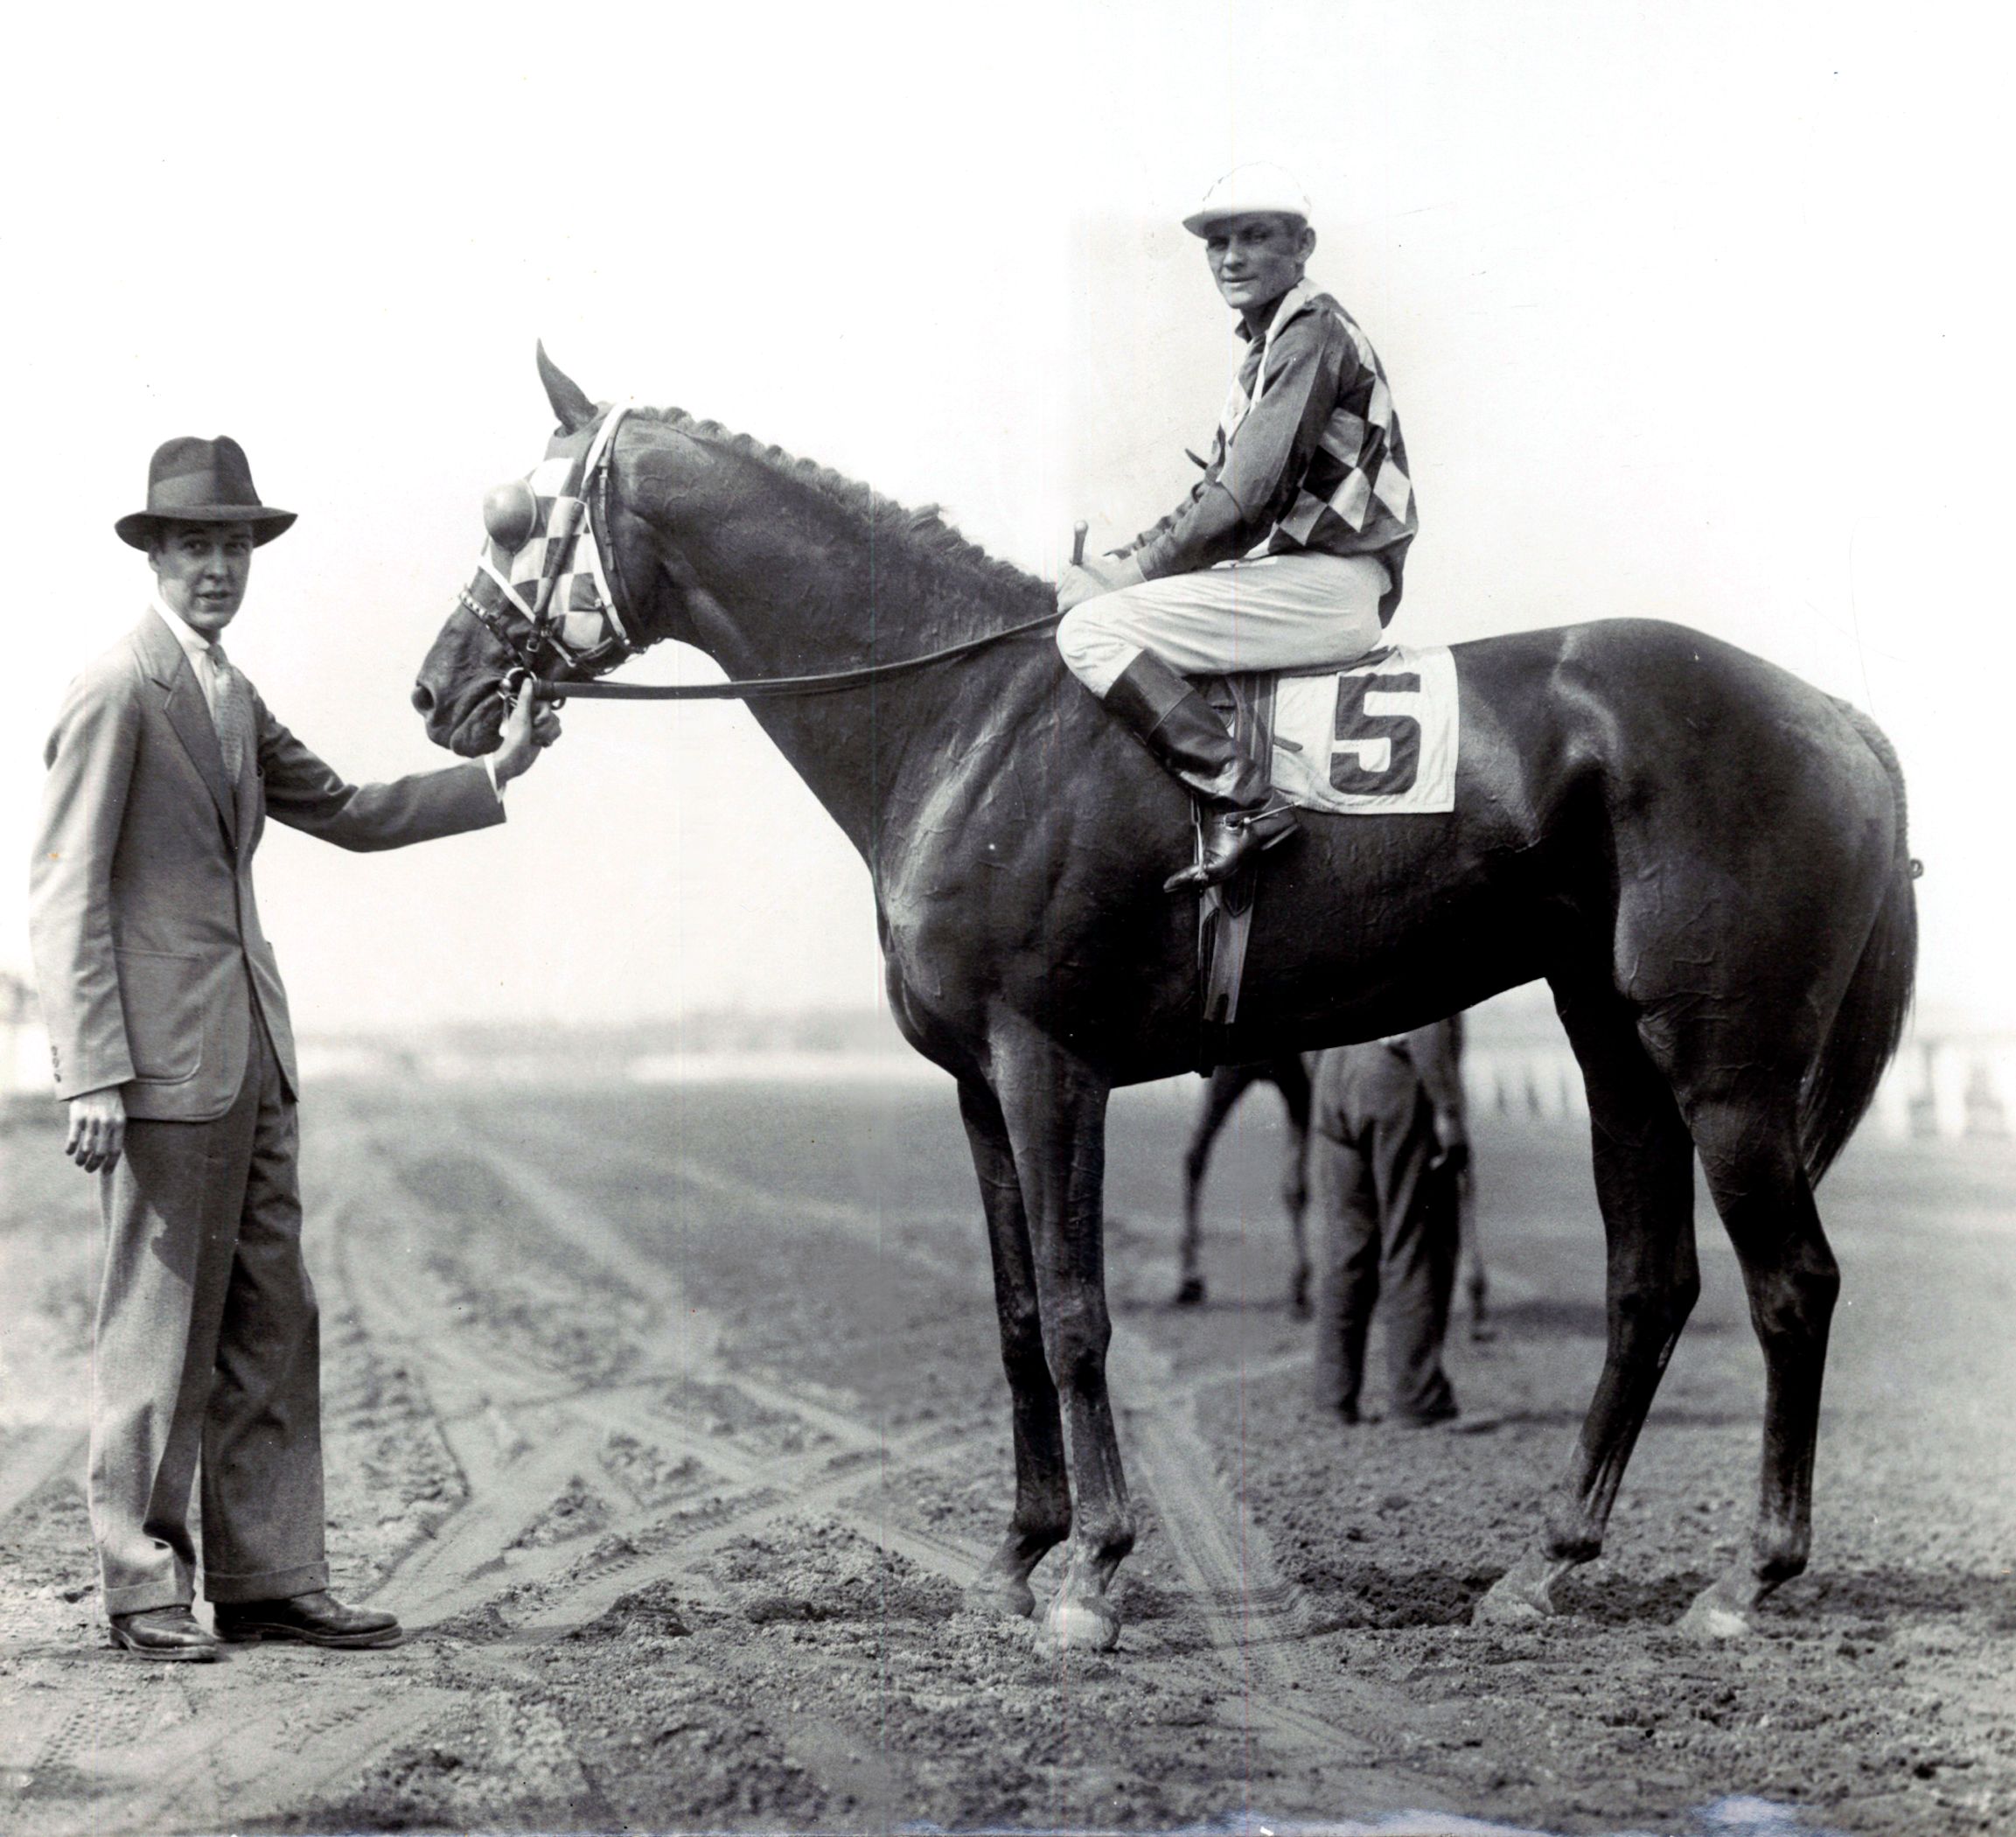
200, 651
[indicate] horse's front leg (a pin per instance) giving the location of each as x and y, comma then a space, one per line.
1055, 1105
1043, 1507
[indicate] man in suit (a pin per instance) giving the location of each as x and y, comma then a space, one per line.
170, 1032
1388, 1149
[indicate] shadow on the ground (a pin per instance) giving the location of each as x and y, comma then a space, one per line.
1865, 1593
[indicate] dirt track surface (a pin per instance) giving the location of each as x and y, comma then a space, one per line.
672, 1423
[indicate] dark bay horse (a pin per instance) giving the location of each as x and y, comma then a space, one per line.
1704, 857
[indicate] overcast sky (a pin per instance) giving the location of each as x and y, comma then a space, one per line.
1700, 312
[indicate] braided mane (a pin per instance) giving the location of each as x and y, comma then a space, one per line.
923, 531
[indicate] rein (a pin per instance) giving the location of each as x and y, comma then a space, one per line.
764, 688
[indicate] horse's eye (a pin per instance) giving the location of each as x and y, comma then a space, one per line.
510, 514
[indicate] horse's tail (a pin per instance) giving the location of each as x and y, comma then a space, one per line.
1841, 1083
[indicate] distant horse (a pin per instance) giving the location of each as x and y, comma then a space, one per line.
1704, 857
1291, 1074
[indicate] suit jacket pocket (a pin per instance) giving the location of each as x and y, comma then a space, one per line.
162, 997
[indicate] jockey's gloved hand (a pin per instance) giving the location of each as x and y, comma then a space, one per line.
1087, 580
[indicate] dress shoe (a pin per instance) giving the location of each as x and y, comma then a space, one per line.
314, 1619
167, 1633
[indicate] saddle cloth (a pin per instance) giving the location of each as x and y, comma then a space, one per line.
1376, 739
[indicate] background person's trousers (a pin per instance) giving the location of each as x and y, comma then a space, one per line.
1387, 1233
1275, 612
206, 1345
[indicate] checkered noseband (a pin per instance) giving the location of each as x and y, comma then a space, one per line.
540, 589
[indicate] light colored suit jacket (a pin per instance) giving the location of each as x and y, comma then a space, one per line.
146, 935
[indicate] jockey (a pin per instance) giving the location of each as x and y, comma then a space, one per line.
1287, 553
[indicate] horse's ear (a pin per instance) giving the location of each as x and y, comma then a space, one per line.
573, 408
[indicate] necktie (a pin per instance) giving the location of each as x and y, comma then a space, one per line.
234, 714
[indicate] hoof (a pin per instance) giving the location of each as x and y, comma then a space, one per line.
1523, 1595
1714, 1617
1004, 1596
1082, 1625
1190, 1294
1507, 1607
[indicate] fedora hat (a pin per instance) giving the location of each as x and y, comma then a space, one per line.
201, 481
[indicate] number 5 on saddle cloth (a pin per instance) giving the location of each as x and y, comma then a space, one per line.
1378, 739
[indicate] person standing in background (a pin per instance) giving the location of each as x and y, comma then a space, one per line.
1388, 1149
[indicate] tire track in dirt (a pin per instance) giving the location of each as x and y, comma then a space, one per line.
813, 1483
576, 1430
1258, 1624
769, 1489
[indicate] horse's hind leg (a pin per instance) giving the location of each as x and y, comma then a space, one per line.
1043, 1507
1294, 1086
1227, 1085
1645, 1186
1750, 1153
1470, 1257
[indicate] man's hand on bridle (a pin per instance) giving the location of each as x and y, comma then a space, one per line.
97, 1129
527, 727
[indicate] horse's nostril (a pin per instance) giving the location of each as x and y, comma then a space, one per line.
424, 698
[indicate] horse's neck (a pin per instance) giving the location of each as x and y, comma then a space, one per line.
875, 756
780, 604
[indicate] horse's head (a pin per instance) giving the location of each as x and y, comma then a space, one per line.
542, 600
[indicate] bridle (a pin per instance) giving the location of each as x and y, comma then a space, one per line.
568, 531
580, 505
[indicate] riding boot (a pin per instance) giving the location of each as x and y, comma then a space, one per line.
1184, 733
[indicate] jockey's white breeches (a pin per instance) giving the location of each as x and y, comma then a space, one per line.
1274, 612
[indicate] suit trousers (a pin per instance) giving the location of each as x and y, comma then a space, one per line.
1388, 1235
207, 1354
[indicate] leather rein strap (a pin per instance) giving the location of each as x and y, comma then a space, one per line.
764, 688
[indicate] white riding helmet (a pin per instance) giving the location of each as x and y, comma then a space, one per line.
1248, 191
